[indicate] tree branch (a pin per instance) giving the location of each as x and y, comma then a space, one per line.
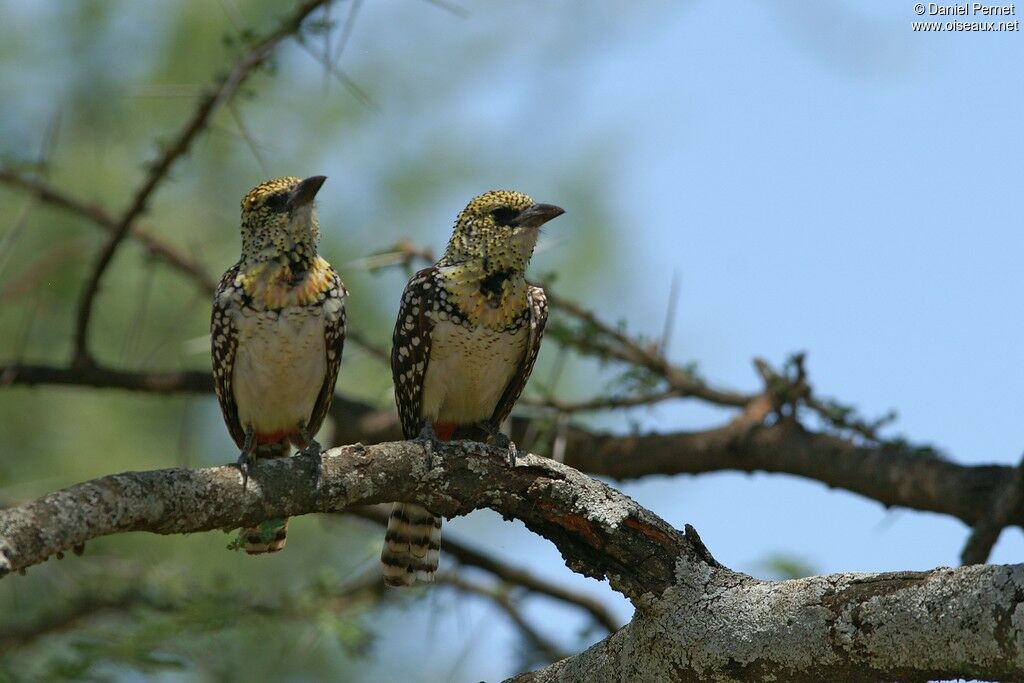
1003, 510
180, 381
501, 599
695, 619
602, 402
548, 497
898, 626
624, 348
888, 473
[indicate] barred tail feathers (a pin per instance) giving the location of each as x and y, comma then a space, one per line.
271, 534
412, 545
269, 537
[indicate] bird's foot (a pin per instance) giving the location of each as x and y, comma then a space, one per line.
428, 439
245, 457
315, 450
506, 443
244, 464
502, 441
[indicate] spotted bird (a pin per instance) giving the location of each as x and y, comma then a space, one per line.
278, 328
468, 332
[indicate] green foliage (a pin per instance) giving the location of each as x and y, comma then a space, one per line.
149, 622
781, 566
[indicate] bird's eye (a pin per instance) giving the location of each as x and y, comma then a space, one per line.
277, 201
504, 215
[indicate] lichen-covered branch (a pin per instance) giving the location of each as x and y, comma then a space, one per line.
695, 619
900, 626
601, 532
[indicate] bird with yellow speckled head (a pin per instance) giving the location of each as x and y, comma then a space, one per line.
277, 329
467, 336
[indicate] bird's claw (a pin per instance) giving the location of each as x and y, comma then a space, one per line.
502, 441
244, 464
245, 457
428, 439
315, 450
509, 446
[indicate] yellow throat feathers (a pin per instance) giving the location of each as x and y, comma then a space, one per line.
276, 286
500, 309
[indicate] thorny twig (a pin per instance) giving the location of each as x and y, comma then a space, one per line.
505, 602
601, 402
593, 336
206, 108
99, 216
790, 389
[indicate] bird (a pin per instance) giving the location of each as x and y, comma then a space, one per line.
468, 332
277, 332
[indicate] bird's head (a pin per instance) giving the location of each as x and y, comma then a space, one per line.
498, 228
278, 218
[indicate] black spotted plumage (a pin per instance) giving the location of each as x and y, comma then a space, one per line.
277, 334
474, 317
423, 301
230, 298
224, 341
538, 318
410, 346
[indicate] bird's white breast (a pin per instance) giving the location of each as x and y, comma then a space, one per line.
469, 370
280, 365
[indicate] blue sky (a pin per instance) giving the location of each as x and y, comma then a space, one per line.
864, 209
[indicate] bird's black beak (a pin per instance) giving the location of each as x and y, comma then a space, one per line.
305, 191
536, 215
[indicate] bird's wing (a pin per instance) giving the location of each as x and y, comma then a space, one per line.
538, 319
334, 338
224, 341
410, 348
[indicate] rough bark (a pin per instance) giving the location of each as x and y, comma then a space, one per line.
906, 626
695, 620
